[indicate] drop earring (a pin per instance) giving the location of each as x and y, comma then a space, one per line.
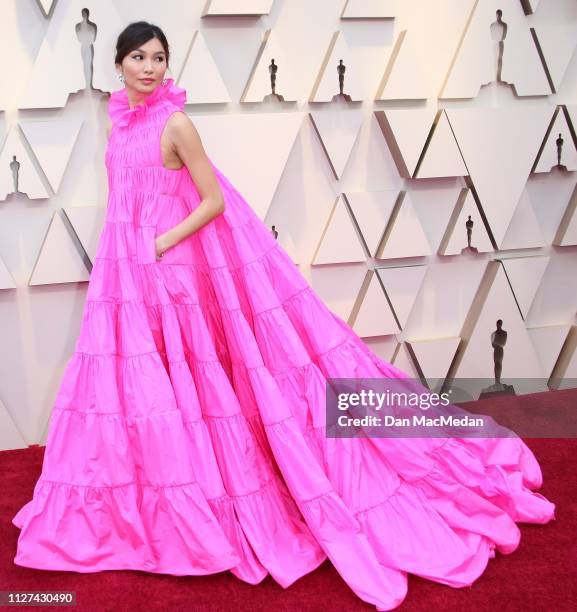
121, 78
163, 82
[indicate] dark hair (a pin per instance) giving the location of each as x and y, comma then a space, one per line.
136, 34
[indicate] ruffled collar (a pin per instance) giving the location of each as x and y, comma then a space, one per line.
119, 109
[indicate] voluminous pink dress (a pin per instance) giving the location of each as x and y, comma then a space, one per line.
188, 433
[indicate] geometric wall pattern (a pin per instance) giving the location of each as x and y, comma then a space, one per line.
501, 48
435, 195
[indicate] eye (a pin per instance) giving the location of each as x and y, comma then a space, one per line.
139, 55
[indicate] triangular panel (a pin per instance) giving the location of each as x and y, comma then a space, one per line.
548, 342
520, 361
558, 147
557, 43
434, 356
58, 67
369, 9
239, 143
524, 230
405, 76
374, 316
59, 260
52, 143
237, 7
200, 75
16, 161
499, 146
339, 242
338, 286
475, 63
87, 222
259, 85
525, 275
371, 210
327, 82
442, 157
402, 285
406, 132
405, 235
337, 130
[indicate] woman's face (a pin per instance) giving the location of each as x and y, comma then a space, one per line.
144, 67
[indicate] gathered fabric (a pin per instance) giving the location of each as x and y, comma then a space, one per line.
188, 434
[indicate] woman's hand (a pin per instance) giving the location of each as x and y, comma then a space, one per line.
161, 244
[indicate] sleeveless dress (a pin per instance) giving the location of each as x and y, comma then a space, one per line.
188, 434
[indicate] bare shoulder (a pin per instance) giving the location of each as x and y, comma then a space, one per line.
182, 133
180, 123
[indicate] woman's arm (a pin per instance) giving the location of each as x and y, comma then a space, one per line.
185, 143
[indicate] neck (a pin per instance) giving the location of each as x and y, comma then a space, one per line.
135, 97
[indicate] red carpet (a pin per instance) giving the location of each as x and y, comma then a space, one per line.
540, 575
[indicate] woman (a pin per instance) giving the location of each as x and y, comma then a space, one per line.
188, 435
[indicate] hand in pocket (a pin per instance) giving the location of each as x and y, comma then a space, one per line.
158, 248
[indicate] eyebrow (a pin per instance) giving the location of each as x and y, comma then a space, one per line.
143, 51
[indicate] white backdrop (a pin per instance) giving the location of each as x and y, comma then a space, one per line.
370, 194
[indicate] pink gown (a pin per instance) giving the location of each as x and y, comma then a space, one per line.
187, 436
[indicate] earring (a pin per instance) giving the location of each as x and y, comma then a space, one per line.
121, 77
163, 82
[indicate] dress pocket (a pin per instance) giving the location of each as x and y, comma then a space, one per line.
145, 244
153, 246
